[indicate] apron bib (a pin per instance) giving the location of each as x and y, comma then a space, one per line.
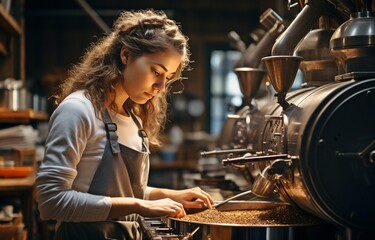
122, 172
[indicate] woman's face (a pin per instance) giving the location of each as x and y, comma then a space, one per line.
148, 74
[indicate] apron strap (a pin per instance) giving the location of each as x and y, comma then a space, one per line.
111, 128
141, 132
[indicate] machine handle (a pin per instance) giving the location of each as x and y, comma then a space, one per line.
252, 159
227, 151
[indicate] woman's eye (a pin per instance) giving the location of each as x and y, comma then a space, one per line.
156, 73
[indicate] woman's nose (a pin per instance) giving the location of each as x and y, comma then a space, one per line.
160, 84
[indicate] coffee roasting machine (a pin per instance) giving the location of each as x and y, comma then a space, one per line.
312, 147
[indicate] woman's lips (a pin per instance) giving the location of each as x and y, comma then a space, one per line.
149, 95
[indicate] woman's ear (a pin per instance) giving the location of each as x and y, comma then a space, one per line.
124, 56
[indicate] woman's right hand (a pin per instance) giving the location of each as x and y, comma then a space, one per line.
161, 207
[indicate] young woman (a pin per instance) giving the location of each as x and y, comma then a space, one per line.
111, 108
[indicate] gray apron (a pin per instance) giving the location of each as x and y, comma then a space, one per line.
122, 172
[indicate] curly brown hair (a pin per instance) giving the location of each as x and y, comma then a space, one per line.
100, 69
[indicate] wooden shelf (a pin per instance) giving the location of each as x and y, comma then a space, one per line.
22, 116
3, 49
8, 23
22, 188
17, 183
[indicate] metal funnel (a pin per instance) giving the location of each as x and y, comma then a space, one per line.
282, 70
250, 80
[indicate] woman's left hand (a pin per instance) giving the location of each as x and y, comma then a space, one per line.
192, 198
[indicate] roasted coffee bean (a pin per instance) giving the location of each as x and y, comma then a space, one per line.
283, 215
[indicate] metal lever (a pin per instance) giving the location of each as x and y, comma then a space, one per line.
251, 159
217, 206
226, 151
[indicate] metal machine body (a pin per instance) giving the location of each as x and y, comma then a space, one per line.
330, 133
316, 146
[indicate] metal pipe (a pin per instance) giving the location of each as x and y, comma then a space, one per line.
302, 24
264, 46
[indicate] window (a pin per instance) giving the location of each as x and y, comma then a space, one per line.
225, 93
225, 96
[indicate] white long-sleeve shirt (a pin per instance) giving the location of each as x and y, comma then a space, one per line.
74, 148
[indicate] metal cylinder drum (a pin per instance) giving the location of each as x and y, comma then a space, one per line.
330, 133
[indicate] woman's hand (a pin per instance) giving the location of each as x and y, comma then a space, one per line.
161, 207
147, 208
189, 198
162, 202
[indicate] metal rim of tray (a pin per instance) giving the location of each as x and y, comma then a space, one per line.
246, 225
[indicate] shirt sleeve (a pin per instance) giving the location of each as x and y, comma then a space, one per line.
147, 192
69, 130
